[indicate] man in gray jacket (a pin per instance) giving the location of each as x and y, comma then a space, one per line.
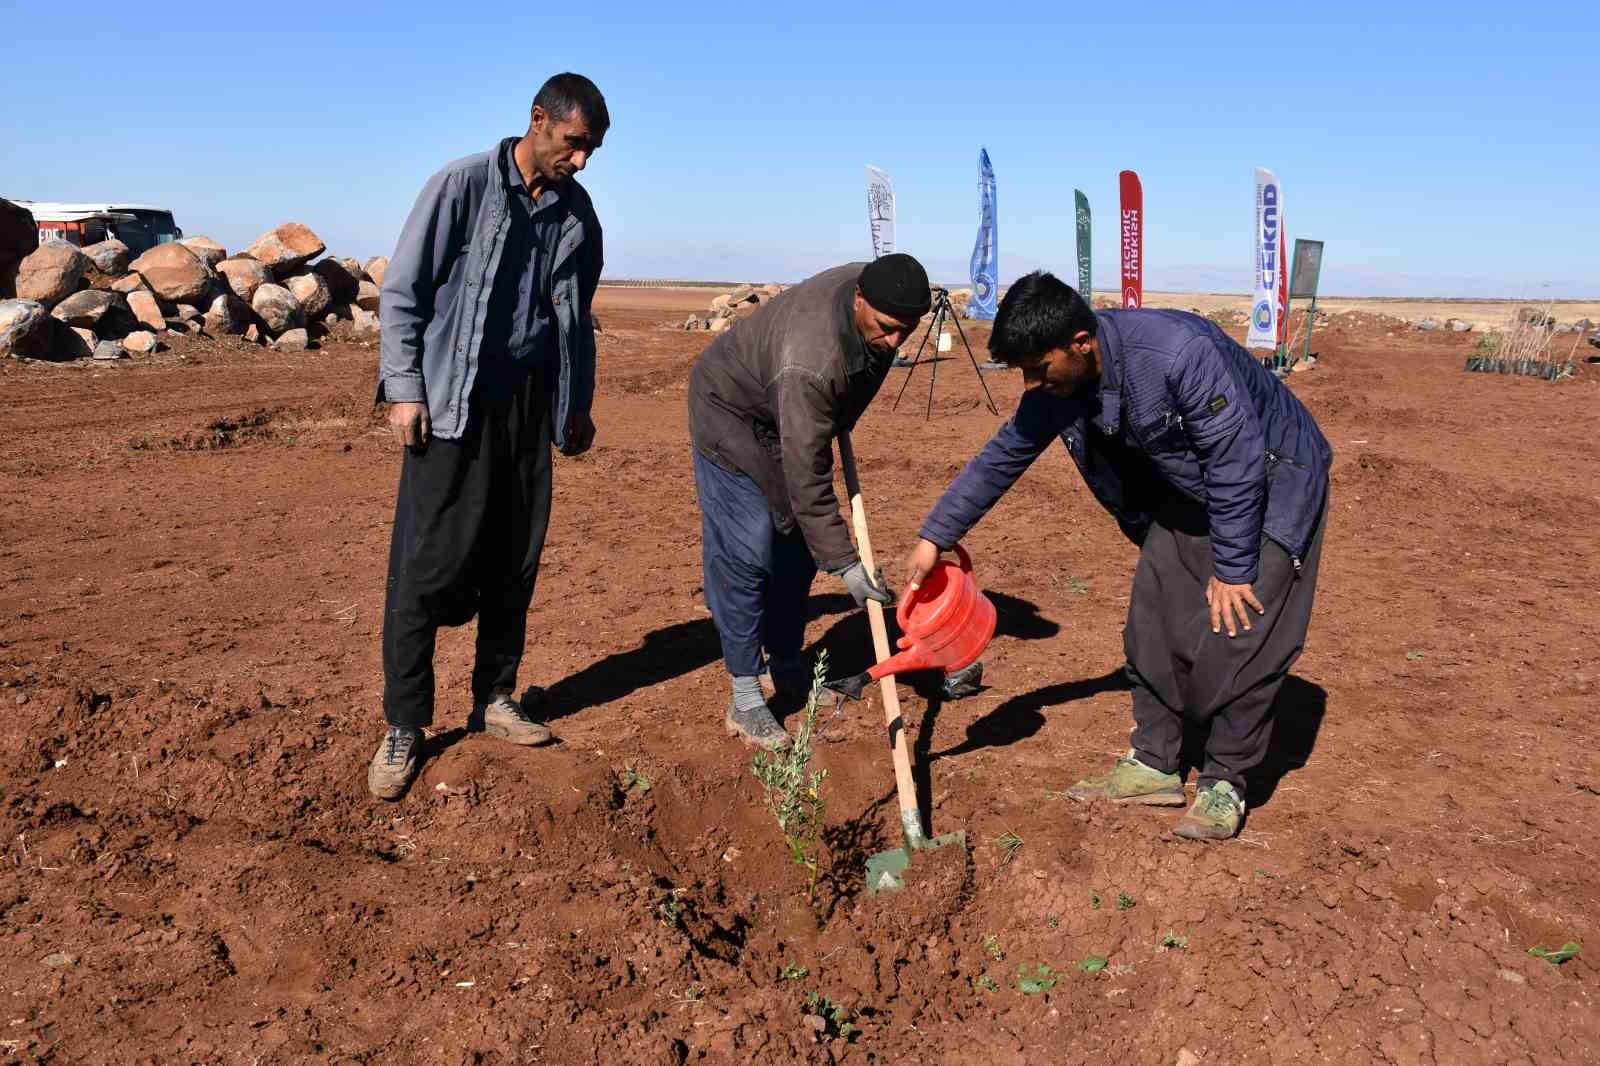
766, 400
487, 357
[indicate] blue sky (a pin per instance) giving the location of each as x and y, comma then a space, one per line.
1438, 149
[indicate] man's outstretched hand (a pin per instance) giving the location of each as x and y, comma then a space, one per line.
920, 563
1228, 606
410, 424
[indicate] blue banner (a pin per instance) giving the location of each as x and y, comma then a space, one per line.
986, 252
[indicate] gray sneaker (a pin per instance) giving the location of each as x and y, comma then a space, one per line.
758, 727
395, 764
506, 718
1131, 781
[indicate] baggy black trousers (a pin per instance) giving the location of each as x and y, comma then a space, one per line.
469, 527
1182, 672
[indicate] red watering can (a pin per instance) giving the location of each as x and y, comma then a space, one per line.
947, 622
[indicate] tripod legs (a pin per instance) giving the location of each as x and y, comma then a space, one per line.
943, 311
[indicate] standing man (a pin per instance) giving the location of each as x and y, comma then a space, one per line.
766, 400
1209, 464
488, 355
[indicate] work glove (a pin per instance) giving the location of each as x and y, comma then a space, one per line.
863, 588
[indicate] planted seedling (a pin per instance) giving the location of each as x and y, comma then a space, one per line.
984, 983
1566, 951
632, 780
1125, 902
792, 972
1043, 979
1077, 586
1173, 942
1094, 900
1414, 656
991, 947
1093, 964
794, 791
827, 1019
1052, 921
667, 911
1009, 844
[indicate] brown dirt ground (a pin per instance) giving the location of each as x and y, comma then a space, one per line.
193, 550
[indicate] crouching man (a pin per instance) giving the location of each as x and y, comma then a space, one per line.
766, 400
1209, 464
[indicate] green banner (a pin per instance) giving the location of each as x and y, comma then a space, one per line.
1085, 276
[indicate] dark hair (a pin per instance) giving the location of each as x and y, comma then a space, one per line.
566, 93
1039, 312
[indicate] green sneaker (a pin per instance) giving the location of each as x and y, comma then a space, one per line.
1131, 781
1216, 814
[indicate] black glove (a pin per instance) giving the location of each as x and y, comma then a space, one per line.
862, 588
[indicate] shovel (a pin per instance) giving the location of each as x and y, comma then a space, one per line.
885, 870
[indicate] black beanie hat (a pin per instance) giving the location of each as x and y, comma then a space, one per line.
896, 285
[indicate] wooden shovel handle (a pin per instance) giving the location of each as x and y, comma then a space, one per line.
910, 817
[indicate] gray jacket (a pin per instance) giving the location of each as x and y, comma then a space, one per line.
436, 294
767, 398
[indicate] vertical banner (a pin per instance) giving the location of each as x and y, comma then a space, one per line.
1283, 282
986, 251
1085, 275
1132, 239
880, 211
1266, 313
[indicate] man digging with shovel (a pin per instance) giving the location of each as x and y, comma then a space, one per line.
1209, 464
766, 401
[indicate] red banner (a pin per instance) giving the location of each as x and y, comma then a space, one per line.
1132, 239
1283, 284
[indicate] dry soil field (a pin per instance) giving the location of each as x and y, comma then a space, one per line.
193, 548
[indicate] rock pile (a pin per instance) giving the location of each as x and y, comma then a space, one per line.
728, 307
73, 302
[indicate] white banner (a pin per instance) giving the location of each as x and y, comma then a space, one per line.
880, 211
1265, 311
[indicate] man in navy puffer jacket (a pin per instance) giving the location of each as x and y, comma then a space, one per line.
1209, 464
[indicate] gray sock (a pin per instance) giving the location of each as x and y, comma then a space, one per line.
747, 694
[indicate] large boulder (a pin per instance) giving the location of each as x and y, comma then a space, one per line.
76, 343
376, 268
25, 329
142, 341
108, 262
147, 310
104, 312
175, 273
364, 323
342, 281
294, 340
367, 296
286, 248
205, 248
244, 276
52, 272
278, 308
227, 315
129, 283
19, 236
311, 292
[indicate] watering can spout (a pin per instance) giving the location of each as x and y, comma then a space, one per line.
912, 658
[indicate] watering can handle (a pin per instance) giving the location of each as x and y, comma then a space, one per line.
902, 613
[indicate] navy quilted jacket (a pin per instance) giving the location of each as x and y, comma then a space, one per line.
1180, 408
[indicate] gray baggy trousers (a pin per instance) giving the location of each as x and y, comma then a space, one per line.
1182, 672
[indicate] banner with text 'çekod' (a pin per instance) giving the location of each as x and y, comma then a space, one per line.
1266, 310
1132, 196
985, 267
880, 211
1085, 275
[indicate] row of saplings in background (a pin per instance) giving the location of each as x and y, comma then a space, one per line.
98, 301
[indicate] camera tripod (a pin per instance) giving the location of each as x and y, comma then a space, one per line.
943, 312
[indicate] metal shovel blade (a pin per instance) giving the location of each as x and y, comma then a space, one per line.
852, 687
886, 870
